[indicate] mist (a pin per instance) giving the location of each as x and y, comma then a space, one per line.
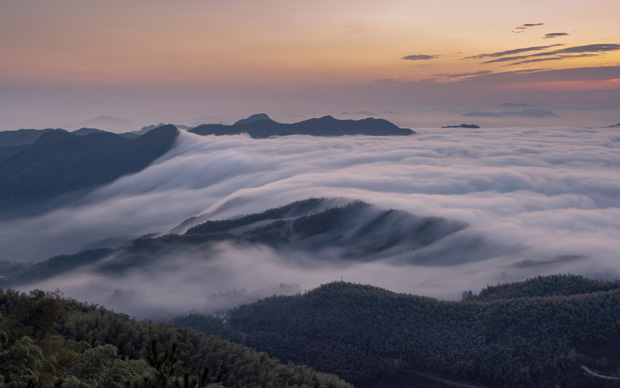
536, 196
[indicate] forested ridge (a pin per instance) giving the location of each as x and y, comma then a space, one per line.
49, 341
374, 337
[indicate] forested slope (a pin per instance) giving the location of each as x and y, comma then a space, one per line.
374, 337
47, 341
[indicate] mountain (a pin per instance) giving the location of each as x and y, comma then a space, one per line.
104, 121
60, 162
261, 126
374, 337
49, 341
87, 131
254, 118
331, 231
614, 126
148, 128
24, 136
468, 126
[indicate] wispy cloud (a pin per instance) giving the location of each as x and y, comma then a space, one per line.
419, 57
514, 51
599, 73
555, 35
552, 59
525, 26
462, 75
587, 49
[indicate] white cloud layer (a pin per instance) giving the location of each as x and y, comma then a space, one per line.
542, 192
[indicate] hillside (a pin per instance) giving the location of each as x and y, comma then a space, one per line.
374, 337
260, 126
50, 341
353, 231
60, 162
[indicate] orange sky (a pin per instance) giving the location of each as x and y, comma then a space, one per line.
241, 45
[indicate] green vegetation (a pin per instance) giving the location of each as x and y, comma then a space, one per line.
375, 337
49, 341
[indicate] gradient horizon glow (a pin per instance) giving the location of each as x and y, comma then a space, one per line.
65, 61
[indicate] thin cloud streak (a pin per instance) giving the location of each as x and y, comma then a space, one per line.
587, 49
419, 57
514, 51
555, 35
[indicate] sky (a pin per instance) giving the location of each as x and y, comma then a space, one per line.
194, 61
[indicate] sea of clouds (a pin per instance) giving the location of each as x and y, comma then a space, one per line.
539, 193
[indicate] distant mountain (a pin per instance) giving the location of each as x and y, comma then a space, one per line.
104, 121
531, 113
60, 162
23, 136
261, 126
614, 126
481, 114
87, 131
468, 126
148, 128
254, 118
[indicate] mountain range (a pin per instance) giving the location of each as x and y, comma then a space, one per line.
59, 162
260, 126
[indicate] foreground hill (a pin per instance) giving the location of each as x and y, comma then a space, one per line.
47, 341
262, 126
59, 162
374, 337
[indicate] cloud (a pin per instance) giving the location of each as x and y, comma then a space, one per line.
525, 26
419, 57
545, 192
535, 60
601, 73
514, 51
587, 49
555, 35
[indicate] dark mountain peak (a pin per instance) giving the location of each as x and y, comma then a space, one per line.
87, 131
323, 126
254, 118
469, 126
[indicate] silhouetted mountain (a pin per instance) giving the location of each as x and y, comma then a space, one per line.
481, 114
148, 128
614, 126
547, 333
60, 162
324, 126
469, 126
254, 118
87, 131
24, 136
104, 121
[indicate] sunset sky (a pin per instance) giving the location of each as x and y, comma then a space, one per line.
65, 61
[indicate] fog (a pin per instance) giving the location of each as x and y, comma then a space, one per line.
532, 194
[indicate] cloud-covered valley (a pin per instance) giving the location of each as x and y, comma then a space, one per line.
543, 201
